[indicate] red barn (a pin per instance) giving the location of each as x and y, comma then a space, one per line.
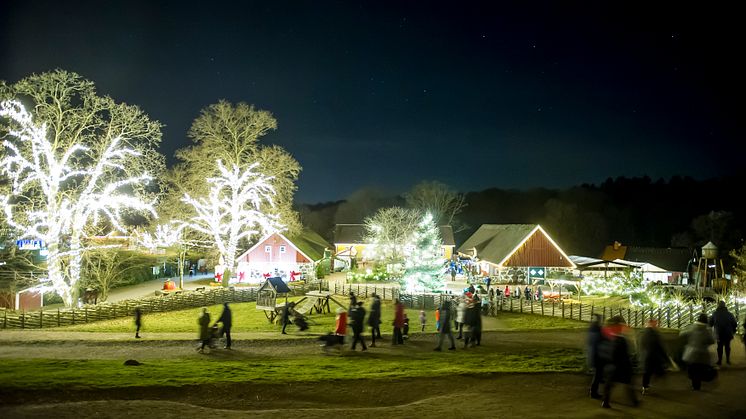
290, 257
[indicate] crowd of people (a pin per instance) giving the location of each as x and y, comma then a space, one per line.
612, 358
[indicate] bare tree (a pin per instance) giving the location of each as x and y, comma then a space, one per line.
438, 199
231, 133
106, 268
77, 159
389, 231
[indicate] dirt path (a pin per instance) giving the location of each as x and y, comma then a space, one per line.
469, 395
498, 395
82, 345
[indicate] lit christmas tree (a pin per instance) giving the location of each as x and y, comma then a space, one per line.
424, 266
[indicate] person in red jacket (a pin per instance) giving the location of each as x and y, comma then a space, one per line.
398, 338
341, 326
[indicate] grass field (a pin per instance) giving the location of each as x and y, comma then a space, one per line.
246, 318
76, 374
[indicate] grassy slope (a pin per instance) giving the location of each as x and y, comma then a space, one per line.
246, 318
77, 374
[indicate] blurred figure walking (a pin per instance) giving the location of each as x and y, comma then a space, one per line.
653, 356
724, 324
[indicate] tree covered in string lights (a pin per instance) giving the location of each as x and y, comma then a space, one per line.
239, 206
79, 162
424, 265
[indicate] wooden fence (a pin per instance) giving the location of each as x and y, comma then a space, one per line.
89, 313
166, 302
668, 317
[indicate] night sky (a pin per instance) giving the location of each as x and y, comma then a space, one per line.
475, 95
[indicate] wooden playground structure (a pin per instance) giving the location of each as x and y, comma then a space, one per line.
314, 302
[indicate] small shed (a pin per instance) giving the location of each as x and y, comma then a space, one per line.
266, 297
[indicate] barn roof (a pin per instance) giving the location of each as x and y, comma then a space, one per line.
495, 243
674, 259
310, 244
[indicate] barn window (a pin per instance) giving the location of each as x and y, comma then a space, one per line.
267, 249
282, 249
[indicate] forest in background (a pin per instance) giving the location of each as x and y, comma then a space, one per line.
638, 211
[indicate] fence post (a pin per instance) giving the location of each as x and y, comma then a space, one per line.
41, 318
511, 305
678, 317
23, 319
691, 314
562, 306
520, 305
604, 313
5, 319
542, 307
591, 311
85, 311
553, 304
532, 306
668, 317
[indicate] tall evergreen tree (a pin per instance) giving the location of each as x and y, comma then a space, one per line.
424, 265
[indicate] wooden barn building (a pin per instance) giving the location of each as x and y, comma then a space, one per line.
291, 258
515, 252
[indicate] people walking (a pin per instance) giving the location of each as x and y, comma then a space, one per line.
445, 326
353, 300
507, 292
461, 316
138, 322
286, 313
398, 323
619, 369
423, 320
340, 326
226, 318
357, 322
698, 339
374, 319
724, 325
595, 360
653, 356
204, 329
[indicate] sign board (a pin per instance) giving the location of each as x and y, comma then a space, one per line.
30, 244
536, 272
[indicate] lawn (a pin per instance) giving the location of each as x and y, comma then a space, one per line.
43, 374
246, 318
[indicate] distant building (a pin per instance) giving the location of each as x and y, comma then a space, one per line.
664, 265
291, 258
515, 252
349, 241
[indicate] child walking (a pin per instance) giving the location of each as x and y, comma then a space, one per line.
423, 319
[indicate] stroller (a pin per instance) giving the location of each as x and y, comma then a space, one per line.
331, 341
216, 332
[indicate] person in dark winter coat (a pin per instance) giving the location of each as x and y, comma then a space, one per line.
138, 322
619, 369
445, 326
374, 320
724, 324
357, 317
204, 329
595, 360
653, 356
473, 323
398, 338
696, 352
286, 313
226, 318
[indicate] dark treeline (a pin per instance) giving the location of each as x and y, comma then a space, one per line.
679, 212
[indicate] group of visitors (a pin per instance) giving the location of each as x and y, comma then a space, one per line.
610, 353
528, 293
